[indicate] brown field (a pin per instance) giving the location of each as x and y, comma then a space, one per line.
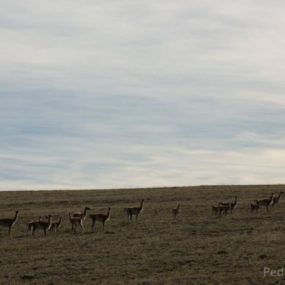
198, 248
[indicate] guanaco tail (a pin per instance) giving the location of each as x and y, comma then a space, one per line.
135, 211
102, 218
9, 223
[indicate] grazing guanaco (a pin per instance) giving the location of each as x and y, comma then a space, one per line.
55, 225
75, 222
81, 215
40, 225
254, 207
102, 218
135, 211
230, 206
265, 202
9, 223
276, 199
176, 211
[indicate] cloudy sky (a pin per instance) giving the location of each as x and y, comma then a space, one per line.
113, 94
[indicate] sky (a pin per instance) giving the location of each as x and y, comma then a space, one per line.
122, 94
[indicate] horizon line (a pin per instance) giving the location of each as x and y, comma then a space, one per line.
143, 188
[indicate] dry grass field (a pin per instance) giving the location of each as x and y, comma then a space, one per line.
198, 248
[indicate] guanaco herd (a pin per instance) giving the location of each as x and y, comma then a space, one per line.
77, 219
225, 208
47, 223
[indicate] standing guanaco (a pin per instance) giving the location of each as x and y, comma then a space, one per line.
135, 211
276, 199
176, 211
102, 218
40, 225
75, 222
55, 225
254, 207
230, 206
265, 202
9, 223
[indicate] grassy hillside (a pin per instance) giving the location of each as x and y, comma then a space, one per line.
198, 248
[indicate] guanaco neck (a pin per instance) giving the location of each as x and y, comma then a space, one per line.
16, 216
109, 213
85, 211
141, 205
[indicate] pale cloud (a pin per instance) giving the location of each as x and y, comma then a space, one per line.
110, 94
160, 167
